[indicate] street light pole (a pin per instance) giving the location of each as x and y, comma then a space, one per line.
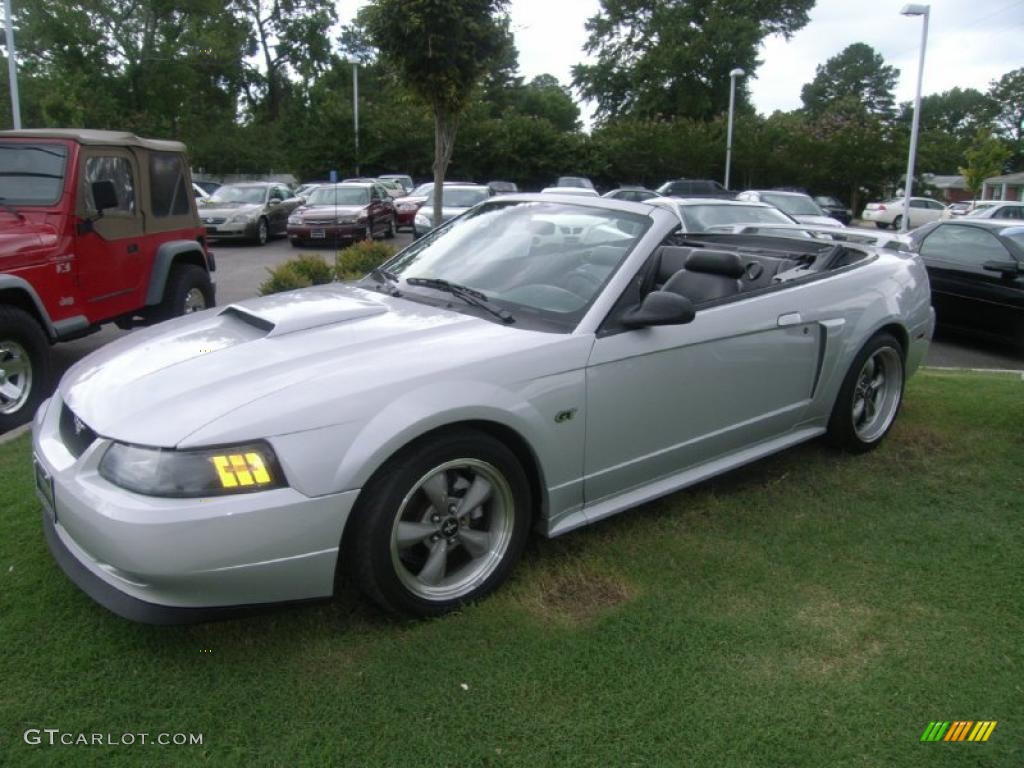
12, 67
732, 106
914, 10
355, 104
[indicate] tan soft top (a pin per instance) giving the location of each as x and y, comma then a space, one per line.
91, 137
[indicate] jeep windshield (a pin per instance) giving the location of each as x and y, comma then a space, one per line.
542, 262
31, 173
243, 195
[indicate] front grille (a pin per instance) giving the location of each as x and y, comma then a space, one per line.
77, 436
214, 220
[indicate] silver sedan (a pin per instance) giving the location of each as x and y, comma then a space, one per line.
536, 364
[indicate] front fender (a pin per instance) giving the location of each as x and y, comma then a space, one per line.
162, 263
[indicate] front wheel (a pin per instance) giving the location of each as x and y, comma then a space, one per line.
441, 524
262, 232
24, 367
391, 230
870, 396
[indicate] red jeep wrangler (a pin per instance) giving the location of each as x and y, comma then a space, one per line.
95, 227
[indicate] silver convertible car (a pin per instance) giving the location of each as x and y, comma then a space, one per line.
538, 363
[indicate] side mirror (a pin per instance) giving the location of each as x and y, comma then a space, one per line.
1006, 268
104, 195
274, 201
660, 308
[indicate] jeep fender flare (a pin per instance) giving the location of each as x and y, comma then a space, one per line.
164, 259
12, 282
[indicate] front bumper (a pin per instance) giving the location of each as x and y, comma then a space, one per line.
244, 231
314, 232
161, 561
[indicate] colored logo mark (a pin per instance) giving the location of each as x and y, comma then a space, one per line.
959, 730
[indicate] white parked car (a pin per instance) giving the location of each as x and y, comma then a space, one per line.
456, 199
890, 213
796, 204
997, 209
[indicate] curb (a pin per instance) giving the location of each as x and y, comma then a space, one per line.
954, 369
15, 433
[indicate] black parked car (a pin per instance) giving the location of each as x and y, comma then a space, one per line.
834, 208
976, 268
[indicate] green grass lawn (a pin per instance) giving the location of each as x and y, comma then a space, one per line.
813, 609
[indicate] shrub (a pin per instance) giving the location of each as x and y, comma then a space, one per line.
361, 258
301, 272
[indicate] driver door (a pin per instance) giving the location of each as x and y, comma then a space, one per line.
664, 399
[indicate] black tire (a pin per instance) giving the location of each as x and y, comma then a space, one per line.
843, 430
368, 232
178, 293
897, 223
23, 343
296, 243
366, 554
881, 225
389, 233
262, 231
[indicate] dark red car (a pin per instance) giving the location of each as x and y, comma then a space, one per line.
343, 212
406, 207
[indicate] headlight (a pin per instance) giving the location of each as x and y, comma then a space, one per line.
190, 474
422, 221
294, 219
406, 207
240, 218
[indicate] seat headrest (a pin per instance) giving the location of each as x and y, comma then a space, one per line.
672, 259
721, 263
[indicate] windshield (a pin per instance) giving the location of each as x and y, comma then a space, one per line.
545, 260
460, 198
699, 218
1016, 234
31, 174
339, 196
829, 201
422, 190
574, 181
794, 205
233, 194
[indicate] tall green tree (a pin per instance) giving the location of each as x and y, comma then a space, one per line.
1008, 93
857, 73
442, 49
672, 58
984, 158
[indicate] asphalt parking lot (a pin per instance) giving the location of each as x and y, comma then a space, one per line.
241, 269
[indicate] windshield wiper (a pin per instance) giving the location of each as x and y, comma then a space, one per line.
467, 294
387, 278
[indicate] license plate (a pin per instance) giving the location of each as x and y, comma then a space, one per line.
317, 234
44, 485
211, 229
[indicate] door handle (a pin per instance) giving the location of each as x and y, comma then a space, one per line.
790, 318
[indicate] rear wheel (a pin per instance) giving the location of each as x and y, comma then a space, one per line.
24, 367
188, 290
881, 225
897, 223
870, 396
442, 524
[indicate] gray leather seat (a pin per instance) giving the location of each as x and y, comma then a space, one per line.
708, 275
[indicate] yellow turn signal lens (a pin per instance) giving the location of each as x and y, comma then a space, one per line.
238, 469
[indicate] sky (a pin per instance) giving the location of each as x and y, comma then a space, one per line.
970, 43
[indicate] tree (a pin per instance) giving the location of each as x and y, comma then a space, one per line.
985, 158
442, 49
857, 72
1008, 93
671, 58
545, 97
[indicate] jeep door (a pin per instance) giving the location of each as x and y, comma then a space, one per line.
110, 249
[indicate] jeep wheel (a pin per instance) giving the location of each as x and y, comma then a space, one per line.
188, 290
24, 367
262, 232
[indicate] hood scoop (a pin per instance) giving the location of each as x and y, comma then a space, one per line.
283, 313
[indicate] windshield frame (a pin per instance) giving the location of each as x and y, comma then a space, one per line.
45, 146
526, 316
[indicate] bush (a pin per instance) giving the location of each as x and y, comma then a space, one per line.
362, 257
301, 272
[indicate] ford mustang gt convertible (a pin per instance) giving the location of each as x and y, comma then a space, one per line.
536, 364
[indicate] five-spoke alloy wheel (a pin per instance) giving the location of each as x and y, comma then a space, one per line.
870, 396
441, 524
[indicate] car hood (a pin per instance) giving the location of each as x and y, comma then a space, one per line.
330, 343
228, 209
331, 210
818, 221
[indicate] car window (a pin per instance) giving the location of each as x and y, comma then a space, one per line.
546, 260
968, 247
31, 174
1010, 212
794, 205
168, 194
918, 203
118, 170
240, 195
